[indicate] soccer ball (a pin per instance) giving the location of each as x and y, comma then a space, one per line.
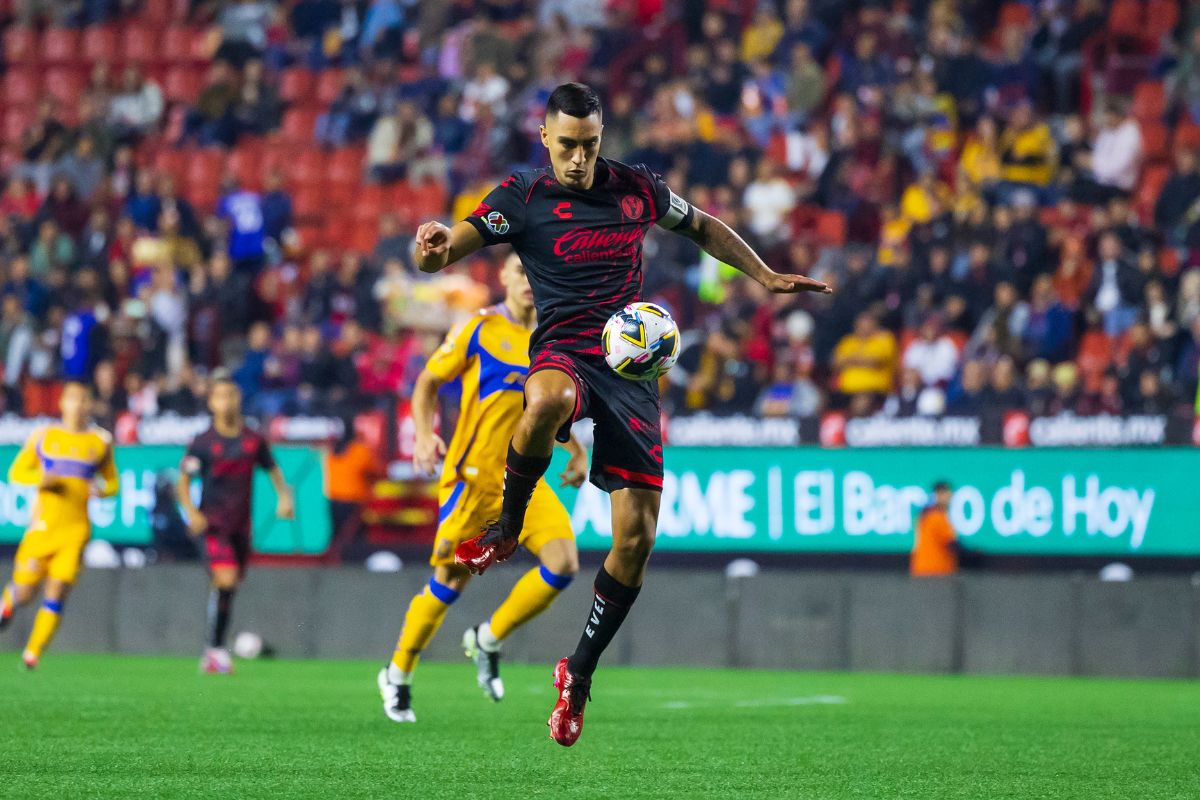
248, 645
641, 342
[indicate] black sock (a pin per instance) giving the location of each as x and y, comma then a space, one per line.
610, 606
220, 603
521, 474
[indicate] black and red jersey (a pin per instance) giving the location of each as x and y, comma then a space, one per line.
225, 466
582, 249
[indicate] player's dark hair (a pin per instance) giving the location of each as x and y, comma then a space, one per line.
574, 100
81, 384
221, 375
941, 486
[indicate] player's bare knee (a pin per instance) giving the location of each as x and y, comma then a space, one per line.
561, 560
22, 592
634, 548
453, 577
547, 410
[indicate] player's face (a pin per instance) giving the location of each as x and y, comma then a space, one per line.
516, 285
574, 145
942, 497
75, 404
225, 400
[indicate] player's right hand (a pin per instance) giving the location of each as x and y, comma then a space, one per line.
433, 245
426, 452
197, 522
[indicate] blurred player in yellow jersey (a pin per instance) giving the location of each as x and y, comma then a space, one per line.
489, 353
69, 463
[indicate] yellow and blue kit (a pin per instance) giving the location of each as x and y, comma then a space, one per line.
489, 353
59, 526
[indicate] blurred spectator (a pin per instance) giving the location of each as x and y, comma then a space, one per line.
1003, 392
242, 211
16, 342
932, 354
352, 114
82, 167
211, 120
52, 250
64, 207
1116, 287
768, 200
393, 244
914, 398
1028, 154
865, 359
258, 109
1115, 159
276, 207
1174, 210
243, 26
108, 396
936, 550
1151, 396
351, 467
136, 109
1001, 327
400, 147
969, 396
1050, 330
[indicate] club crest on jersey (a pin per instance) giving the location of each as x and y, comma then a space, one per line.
632, 206
496, 223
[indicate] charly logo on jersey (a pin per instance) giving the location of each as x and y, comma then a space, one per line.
632, 206
496, 223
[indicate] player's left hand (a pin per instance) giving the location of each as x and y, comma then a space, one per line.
286, 508
575, 472
794, 284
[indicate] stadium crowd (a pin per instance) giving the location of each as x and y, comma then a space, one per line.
1006, 196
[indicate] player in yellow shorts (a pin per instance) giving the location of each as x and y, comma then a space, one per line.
489, 354
69, 463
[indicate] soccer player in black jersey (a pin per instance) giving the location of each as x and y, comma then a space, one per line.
578, 227
224, 458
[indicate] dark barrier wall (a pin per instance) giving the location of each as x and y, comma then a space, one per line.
786, 620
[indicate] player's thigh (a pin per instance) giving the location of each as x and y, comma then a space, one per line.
228, 554
627, 439
547, 532
32, 560
64, 566
464, 511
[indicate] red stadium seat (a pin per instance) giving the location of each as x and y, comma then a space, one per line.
1125, 18
158, 13
203, 168
1161, 18
342, 195
182, 83
1016, 14
99, 44
308, 167
140, 44
346, 166
1095, 355
1187, 134
21, 45
308, 202
298, 126
16, 120
22, 87
1155, 140
245, 164
66, 84
1149, 101
296, 86
60, 46
1149, 188
329, 86
170, 161
831, 228
183, 45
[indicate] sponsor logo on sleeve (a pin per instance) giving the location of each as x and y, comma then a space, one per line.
496, 223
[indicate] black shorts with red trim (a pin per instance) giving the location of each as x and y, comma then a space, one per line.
227, 548
627, 443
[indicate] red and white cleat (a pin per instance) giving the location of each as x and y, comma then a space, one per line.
566, 720
216, 661
29, 659
489, 547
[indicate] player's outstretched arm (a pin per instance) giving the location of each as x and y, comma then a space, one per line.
428, 447
286, 507
196, 521
26, 468
575, 472
722, 242
439, 246
109, 482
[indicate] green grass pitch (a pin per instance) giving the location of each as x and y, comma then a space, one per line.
108, 726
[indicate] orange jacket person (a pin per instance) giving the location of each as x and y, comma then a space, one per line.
935, 545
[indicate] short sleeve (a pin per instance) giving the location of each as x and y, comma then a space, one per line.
449, 360
264, 458
195, 460
670, 210
501, 216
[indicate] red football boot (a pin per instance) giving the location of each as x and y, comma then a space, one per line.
489, 547
566, 720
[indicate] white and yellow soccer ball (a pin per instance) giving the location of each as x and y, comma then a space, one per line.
641, 342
